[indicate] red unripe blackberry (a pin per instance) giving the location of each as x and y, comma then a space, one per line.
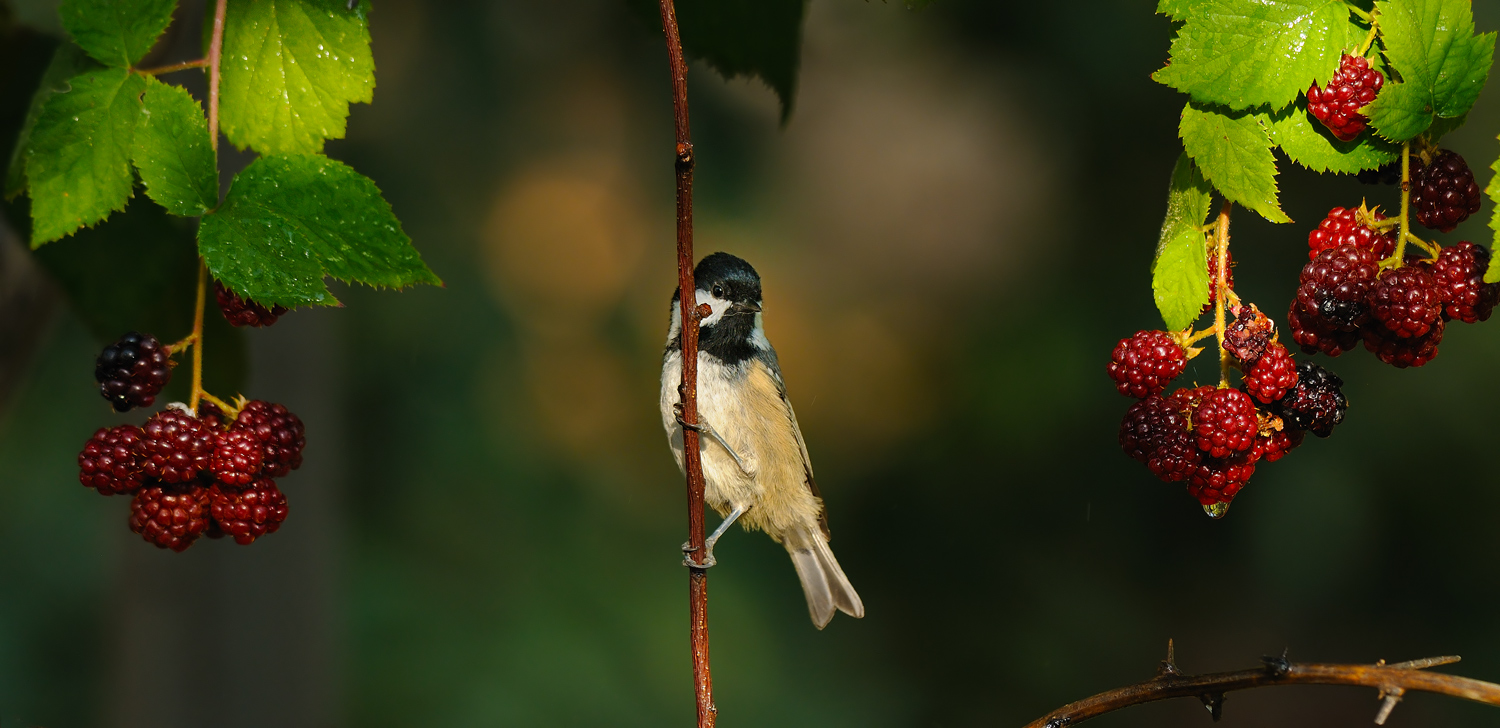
1316, 335
170, 516
1225, 423
1403, 352
112, 460
1459, 271
248, 513
280, 431
178, 446
132, 371
1145, 363
237, 458
1316, 403
1276, 445
1272, 375
1443, 193
243, 312
1248, 335
1216, 481
1342, 227
1407, 301
1336, 284
1352, 88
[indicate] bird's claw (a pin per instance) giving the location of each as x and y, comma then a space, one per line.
707, 563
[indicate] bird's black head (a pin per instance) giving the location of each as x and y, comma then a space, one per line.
731, 287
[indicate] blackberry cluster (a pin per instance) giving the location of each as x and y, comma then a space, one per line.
132, 371
192, 475
1211, 438
1443, 192
243, 312
1400, 313
1352, 88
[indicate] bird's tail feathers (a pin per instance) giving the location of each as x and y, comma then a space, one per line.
823, 581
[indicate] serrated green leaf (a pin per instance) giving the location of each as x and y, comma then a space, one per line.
78, 160
289, 221
758, 38
1177, 9
116, 32
1492, 274
173, 153
1244, 54
1308, 143
1179, 273
1233, 151
291, 69
68, 61
1442, 63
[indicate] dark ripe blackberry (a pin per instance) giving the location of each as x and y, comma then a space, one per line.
1315, 335
178, 446
279, 430
1403, 352
1248, 335
1407, 301
1225, 423
1352, 87
1272, 375
1342, 227
1316, 403
1443, 193
1386, 174
1336, 285
249, 513
1176, 458
1141, 429
112, 460
242, 312
170, 516
1145, 363
1278, 443
237, 458
132, 371
1459, 272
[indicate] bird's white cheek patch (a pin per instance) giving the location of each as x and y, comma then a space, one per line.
758, 336
718, 305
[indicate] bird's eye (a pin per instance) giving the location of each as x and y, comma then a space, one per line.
718, 291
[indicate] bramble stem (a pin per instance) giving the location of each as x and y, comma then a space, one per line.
197, 337
1396, 258
215, 54
1369, 41
174, 68
703, 686
1359, 12
215, 57
1221, 292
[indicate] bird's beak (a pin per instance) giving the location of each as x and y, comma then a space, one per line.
743, 309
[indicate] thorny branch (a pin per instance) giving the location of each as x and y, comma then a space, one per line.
1392, 681
692, 459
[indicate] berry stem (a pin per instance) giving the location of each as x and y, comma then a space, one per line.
1360, 13
1395, 260
174, 68
1364, 48
1221, 272
197, 337
1430, 248
215, 56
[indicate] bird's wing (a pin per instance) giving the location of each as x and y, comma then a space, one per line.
774, 369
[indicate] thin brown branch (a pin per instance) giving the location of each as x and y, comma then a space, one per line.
1393, 681
215, 56
703, 686
174, 68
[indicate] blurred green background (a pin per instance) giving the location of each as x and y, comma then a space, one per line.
954, 227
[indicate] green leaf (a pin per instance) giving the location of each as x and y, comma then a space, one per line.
67, 62
1492, 274
78, 159
173, 153
1177, 9
291, 69
1179, 274
759, 38
116, 32
1234, 153
1308, 143
1243, 54
1442, 63
289, 221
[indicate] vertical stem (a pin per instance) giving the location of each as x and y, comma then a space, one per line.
692, 457
1400, 253
198, 339
1221, 290
215, 55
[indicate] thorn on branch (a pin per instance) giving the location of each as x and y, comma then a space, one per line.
1058, 722
1389, 696
1214, 702
1168, 667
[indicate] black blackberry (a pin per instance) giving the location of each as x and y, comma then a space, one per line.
1315, 403
132, 371
1443, 193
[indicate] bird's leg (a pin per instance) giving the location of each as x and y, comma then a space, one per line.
708, 543
704, 428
